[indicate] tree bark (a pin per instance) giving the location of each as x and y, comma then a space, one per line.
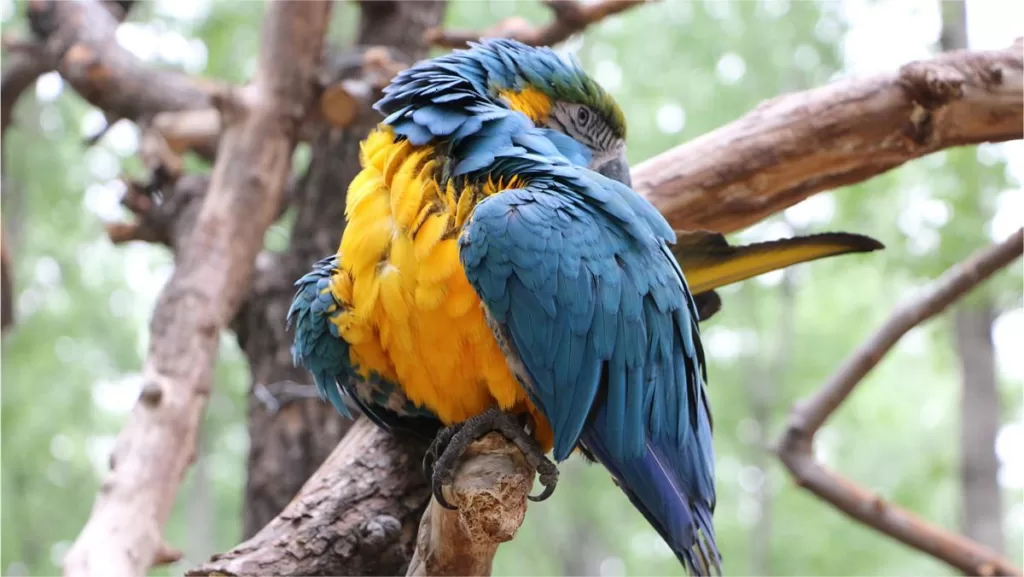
769, 159
357, 516
123, 536
799, 144
289, 444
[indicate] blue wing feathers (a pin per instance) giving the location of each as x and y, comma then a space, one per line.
603, 322
574, 268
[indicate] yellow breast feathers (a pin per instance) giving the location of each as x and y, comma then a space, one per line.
413, 317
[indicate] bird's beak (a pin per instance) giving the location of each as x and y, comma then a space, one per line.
617, 168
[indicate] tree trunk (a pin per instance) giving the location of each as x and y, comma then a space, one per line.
291, 437
982, 511
979, 423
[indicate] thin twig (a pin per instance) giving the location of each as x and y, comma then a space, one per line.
570, 17
795, 447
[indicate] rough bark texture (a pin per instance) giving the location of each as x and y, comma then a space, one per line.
979, 424
783, 151
798, 144
289, 444
806, 419
358, 515
794, 166
490, 489
153, 450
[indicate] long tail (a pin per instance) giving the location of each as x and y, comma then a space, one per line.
710, 262
672, 488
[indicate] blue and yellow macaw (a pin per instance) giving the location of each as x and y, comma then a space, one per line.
499, 273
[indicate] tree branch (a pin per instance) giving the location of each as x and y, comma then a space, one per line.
123, 534
357, 515
491, 484
799, 144
27, 61
289, 445
78, 39
755, 180
570, 17
795, 447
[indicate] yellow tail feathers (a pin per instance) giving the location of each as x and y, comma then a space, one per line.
710, 262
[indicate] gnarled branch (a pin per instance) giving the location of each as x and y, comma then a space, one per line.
570, 17
357, 515
152, 452
799, 144
491, 484
737, 163
795, 447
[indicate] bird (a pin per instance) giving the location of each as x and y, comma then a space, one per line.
498, 272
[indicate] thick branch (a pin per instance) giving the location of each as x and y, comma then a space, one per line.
288, 445
79, 39
357, 515
27, 61
799, 144
799, 160
490, 489
123, 534
795, 448
570, 17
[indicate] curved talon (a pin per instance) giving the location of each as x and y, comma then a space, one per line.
442, 456
547, 492
437, 489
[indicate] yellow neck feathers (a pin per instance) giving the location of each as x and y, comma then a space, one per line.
531, 102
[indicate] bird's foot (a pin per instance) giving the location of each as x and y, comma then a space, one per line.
451, 442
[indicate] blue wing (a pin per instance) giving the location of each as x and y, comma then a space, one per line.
575, 272
319, 348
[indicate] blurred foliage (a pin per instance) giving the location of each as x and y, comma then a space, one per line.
679, 69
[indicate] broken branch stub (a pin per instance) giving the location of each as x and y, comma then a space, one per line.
490, 491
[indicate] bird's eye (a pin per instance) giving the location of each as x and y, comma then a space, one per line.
582, 115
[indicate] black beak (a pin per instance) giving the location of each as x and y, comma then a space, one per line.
617, 169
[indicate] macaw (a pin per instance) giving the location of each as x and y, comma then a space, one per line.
499, 273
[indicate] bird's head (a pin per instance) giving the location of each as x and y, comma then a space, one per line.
438, 97
555, 92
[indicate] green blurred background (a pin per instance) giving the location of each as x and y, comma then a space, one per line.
679, 69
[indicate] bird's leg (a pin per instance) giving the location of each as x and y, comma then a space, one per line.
451, 442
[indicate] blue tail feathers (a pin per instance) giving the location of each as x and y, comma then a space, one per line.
660, 484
